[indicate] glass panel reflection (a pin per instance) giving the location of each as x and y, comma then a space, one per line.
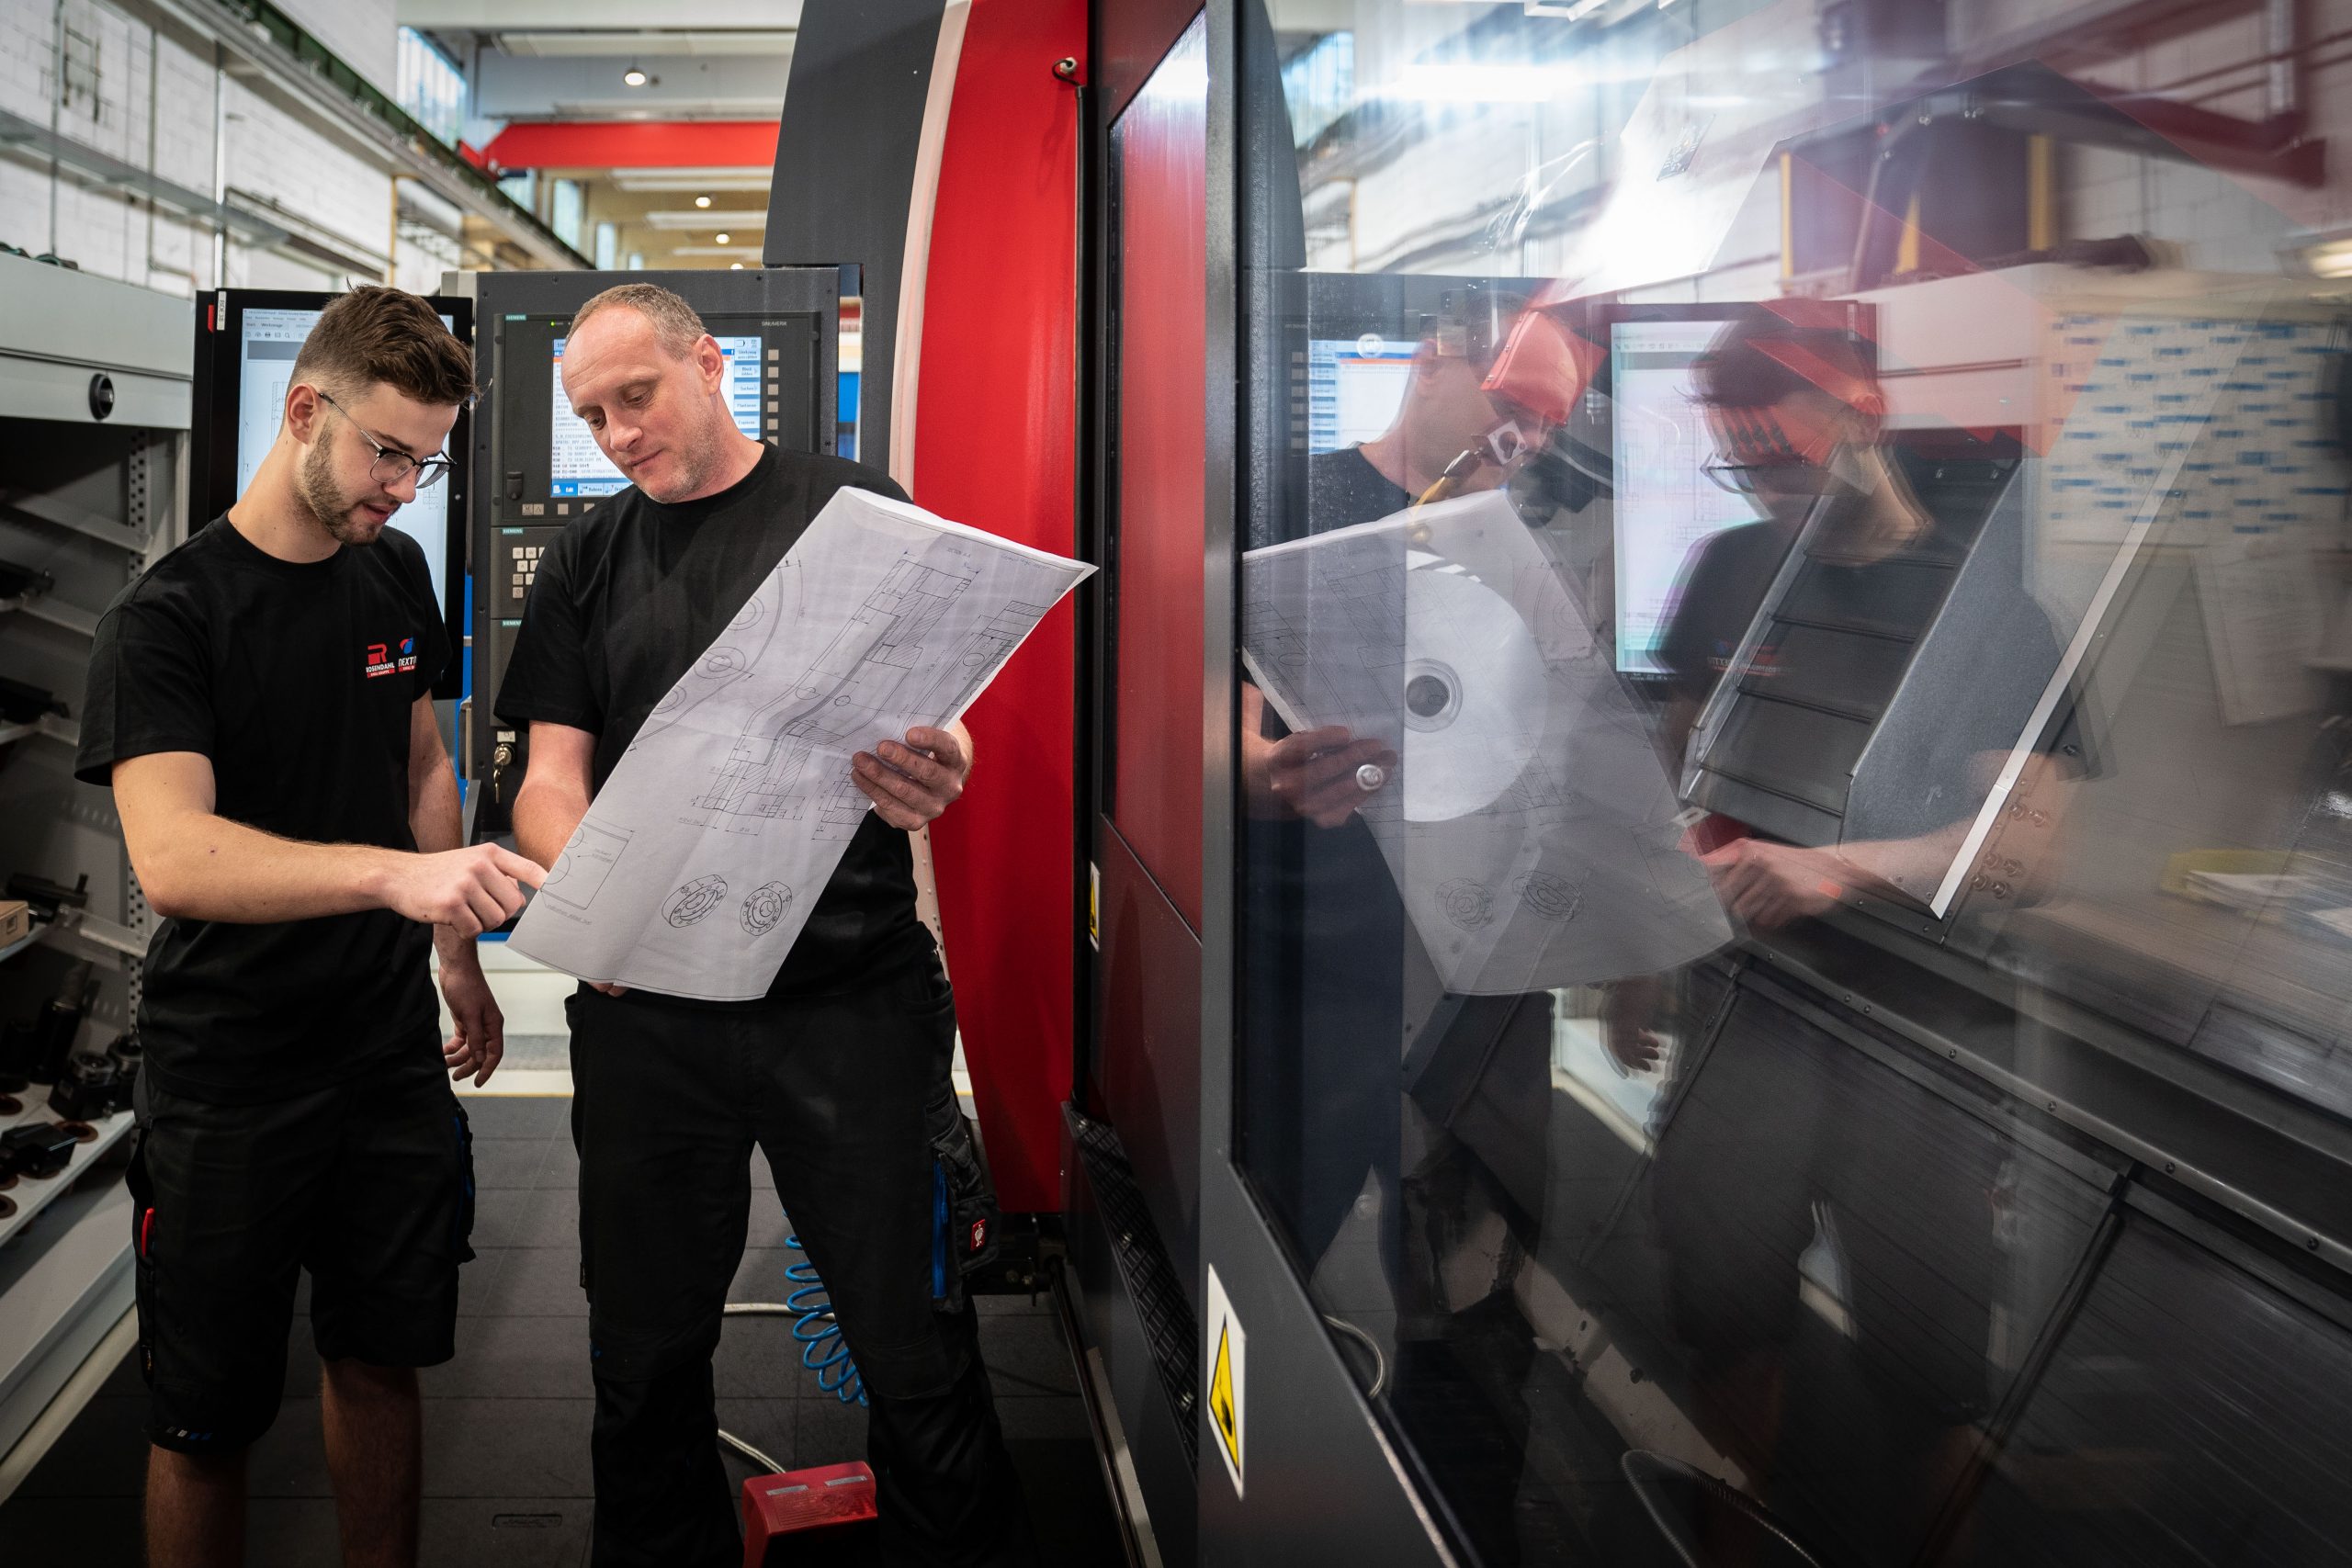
1792, 767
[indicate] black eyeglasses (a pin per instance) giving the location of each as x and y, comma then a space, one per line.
392, 464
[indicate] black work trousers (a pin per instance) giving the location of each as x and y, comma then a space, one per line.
669, 1100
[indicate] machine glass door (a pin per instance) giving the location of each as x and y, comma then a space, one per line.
1793, 821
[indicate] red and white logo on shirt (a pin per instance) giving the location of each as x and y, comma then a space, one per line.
384, 659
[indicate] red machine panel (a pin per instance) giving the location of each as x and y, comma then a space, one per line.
1160, 150
995, 447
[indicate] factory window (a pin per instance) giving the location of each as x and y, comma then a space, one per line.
430, 87
567, 207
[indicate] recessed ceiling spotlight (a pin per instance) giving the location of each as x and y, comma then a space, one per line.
723, 239
702, 202
635, 76
734, 266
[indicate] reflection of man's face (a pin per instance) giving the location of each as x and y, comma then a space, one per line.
1446, 410
1777, 456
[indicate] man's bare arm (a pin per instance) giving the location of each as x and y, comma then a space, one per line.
193, 863
555, 790
436, 823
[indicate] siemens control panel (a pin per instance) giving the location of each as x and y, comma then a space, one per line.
537, 469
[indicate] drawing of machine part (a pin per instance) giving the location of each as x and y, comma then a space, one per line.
976, 661
581, 869
858, 677
766, 906
693, 903
724, 664
762, 777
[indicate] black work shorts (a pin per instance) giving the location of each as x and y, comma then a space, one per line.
369, 1185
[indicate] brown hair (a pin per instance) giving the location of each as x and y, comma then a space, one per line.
376, 334
1763, 357
675, 324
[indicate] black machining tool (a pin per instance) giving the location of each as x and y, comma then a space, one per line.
60, 1020
38, 1151
23, 702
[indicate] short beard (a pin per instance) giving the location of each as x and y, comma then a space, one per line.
695, 467
328, 505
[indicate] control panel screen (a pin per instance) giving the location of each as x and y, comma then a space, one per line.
1354, 387
1666, 503
578, 466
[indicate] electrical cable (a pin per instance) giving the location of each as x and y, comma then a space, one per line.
766, 1461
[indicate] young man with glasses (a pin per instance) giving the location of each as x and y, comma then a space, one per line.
261, 702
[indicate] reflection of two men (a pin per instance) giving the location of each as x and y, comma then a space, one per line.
1797, 420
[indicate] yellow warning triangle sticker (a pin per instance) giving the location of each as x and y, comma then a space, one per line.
1221, 1411
1228, 1379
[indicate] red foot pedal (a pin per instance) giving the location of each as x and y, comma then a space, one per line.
809, 1518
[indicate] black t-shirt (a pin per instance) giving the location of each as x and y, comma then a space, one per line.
1343, 489
1723, 586
297, 680
629, 597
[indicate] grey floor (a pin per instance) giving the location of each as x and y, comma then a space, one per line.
506, 1477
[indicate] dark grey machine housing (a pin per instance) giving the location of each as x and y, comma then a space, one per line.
794, 311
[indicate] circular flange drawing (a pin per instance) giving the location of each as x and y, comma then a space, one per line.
693, 901
766, 906
1553, 899
1466, 903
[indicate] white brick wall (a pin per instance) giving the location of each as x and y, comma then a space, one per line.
274, 155
154, 106
364, 33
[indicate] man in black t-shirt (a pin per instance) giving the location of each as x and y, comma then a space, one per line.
261, 702
831, 1073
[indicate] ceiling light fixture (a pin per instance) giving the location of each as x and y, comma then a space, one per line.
635, 76
702, 202
734, 266
723, 239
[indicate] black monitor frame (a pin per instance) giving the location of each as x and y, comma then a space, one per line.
212, 439
517, 513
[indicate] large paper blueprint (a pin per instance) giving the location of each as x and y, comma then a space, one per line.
700, 859
1532, 833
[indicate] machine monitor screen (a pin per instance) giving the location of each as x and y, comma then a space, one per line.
578, 466
1666, 505
1354, 387
269, 338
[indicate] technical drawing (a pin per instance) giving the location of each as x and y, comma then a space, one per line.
585, 863
978, 657
693, 901
1467, 903
838, 700
739, 788
1554, 898
766, 906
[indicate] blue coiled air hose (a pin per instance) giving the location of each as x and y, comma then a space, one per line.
810, 1307
822, 1350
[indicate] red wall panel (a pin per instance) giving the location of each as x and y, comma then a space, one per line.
995, 447
1162, 154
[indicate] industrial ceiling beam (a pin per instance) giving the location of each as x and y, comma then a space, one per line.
635, 144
